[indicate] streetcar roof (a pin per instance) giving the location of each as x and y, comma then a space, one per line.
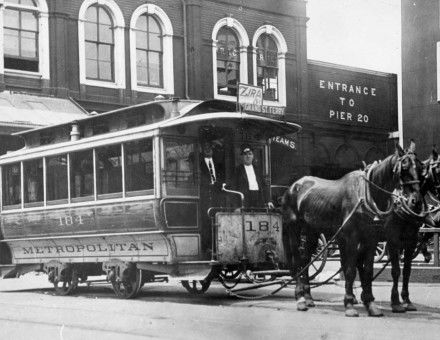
269, 127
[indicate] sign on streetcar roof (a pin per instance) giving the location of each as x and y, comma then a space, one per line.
250, 98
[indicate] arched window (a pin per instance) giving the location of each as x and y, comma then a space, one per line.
229, 52
267, 67
269, 55
228, 62
25, 37
101, 44
151, 49
148, 51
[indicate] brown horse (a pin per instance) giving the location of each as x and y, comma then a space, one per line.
402, 228
348, 207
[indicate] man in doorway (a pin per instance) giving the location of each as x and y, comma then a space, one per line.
211, 179
250, 181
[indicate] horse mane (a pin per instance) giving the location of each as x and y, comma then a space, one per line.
383, 176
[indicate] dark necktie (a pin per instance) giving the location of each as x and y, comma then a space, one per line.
211, 171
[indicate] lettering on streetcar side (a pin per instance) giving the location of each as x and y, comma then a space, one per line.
69, 220
91, 248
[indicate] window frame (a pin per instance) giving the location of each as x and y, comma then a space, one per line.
167, 87
91, 199
42, 39
118, 39
243, 41
282, 51
99, 43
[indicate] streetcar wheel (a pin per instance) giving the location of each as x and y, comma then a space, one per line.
129, 285
67, 282
196, 287
318, 265
380, 251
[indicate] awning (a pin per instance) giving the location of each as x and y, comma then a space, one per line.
23, 111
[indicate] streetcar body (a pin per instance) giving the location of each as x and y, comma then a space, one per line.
122, 189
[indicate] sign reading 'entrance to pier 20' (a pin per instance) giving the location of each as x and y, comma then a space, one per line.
344, 96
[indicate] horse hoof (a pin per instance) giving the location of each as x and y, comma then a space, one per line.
301, 305
373, 310
398, 308
409, 307
351, 312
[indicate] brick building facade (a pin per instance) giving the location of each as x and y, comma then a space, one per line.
105, 54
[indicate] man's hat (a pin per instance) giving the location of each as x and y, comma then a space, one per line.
245, 148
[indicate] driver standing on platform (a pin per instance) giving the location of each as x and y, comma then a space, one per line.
250, 182
211, 179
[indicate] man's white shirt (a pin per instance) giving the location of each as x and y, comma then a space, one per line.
208, 162
252, 179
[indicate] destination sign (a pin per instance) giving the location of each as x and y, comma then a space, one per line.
250, 98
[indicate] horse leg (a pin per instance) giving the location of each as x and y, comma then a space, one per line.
369, 248
342, 257
296, 265
310, 248
407, 262
349, 265
394, 254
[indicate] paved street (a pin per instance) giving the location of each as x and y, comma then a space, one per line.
29, 309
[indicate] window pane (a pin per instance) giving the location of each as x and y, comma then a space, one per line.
141, 66
154, 68
180, 174
33, 181
139, 165
155, 42
11, 18
91, 31
105, 70
91, 51
91, 68
81, 174
92, 14
56, 177
105, 33
105, 52
109, 169
11, 184
141, 40
141, 24
11, 45
29, 21
28, 45
104, 17
153, 25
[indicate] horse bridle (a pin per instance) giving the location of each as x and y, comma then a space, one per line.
400, 198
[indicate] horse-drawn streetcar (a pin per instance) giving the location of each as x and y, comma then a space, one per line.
119, 194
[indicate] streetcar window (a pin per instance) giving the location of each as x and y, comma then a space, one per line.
139, 166
179, 169
11, 184
109, 170
33, 181
81, 175
56, 178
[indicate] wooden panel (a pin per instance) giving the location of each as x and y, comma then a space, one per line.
262, 232
107, 218
144, 247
